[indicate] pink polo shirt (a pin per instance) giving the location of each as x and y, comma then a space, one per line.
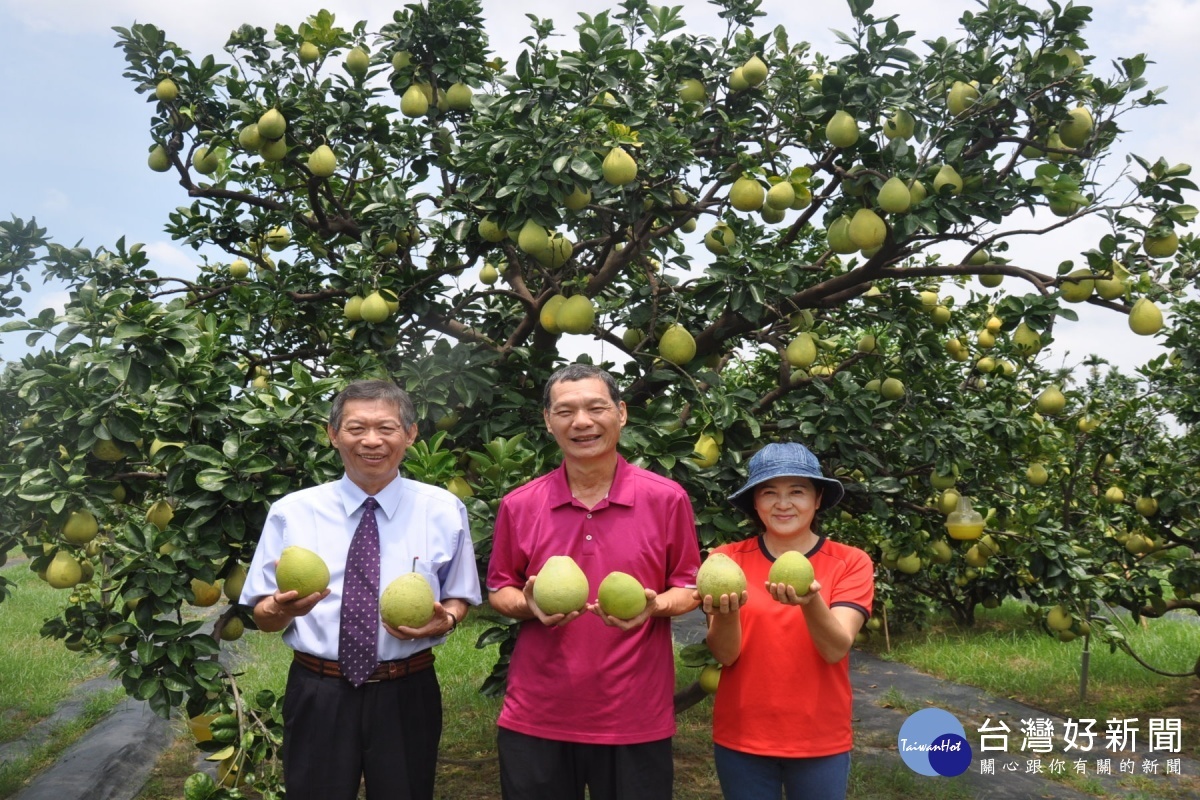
586, 682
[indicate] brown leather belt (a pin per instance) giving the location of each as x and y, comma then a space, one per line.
386, 671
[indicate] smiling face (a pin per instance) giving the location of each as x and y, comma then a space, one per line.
584, 420
787, 505
371, 442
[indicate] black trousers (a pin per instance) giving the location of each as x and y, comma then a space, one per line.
335, 735
532, 768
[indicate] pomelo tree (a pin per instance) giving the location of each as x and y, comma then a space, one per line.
763, 241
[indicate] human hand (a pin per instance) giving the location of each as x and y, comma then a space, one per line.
440, 624
293, 605
725, 604
549, 620
633, 622
786, 594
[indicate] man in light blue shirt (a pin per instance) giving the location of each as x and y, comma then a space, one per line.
386, 730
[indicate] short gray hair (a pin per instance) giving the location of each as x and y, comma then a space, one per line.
374, 390
581, 372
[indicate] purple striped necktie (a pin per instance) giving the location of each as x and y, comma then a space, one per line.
357, 640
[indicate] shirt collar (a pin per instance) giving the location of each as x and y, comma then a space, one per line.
621, 492
388, 498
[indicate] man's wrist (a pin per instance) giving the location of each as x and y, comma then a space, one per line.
453, 621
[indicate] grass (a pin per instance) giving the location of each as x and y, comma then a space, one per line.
36, 674
1008, 656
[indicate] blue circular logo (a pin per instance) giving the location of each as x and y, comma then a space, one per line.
933, 742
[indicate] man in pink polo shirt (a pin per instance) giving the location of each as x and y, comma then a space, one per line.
590, 697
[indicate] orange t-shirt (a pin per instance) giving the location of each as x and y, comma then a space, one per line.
781, 698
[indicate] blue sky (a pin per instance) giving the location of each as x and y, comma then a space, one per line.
76, 133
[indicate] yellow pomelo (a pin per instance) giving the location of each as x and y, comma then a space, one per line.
1077, 286
1037, 474
794, 569
561, 587
706, 453
909, 564
1146, 506
720, 575
160, 514
407, 602
374, 308
357, 62
302, 571
1026, 339
578, 199
894, 196
488, 275
576, 315
691, 90
274, 150
677, 345
63, 572
918, 192
842, 130
278, 238
458, 97
620, 595
892, 389
272, 124
802, 351
867, 230
737, 80
781, 196
232, 630
205, 160
710, 678
719, 239
158, 160
962, 97
80, 527
900, 125
1161, 245
754, 71
1076, 129
239, 269
414, 103
1145, 318
322, 162
308, 52
166, 90
618, 167
249, 137
838, 236
353, 308
107, 450
746, 194
533, 238
1059, 619
1051, 401
947, 178
234, 582
204, 594
459, 487
489, 231
549, 313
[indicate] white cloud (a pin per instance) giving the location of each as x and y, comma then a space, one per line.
168, 259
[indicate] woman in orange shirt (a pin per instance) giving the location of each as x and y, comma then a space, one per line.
781, 718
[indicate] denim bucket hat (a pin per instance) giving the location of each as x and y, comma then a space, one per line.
788, 459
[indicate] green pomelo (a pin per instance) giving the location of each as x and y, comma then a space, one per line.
621, 595
794, 569
407, 602
302, 571
720, 575
561, 587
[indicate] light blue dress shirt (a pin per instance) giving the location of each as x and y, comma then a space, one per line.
416, 521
